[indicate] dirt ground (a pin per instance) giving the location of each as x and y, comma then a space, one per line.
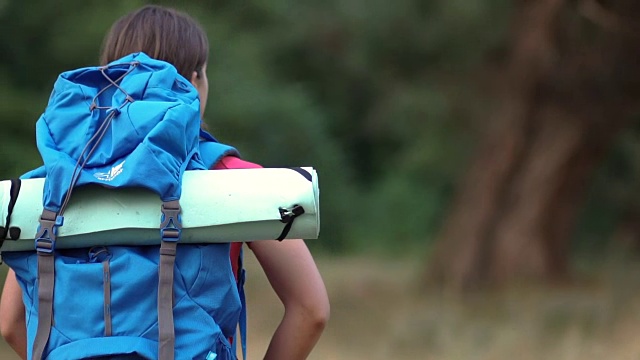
378, 313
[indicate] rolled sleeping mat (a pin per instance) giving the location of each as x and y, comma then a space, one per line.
217, 206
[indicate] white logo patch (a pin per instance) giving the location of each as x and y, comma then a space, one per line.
115, 171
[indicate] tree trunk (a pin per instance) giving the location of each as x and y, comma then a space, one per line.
561, 103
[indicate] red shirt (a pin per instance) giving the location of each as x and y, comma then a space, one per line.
232, 162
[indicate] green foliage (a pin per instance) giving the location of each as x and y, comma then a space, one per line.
374, 94
613, 197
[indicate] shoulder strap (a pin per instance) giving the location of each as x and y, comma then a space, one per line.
212, 151
242, 321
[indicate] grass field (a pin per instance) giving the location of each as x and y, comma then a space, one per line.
378, 313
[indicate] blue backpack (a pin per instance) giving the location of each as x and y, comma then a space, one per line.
132, 123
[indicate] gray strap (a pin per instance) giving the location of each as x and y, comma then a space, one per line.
45, 246
45, 304
165, 301
170, 230
107, 298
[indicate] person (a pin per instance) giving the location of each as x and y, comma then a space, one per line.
170, 35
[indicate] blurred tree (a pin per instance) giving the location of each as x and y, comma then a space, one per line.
383, 99
569, 85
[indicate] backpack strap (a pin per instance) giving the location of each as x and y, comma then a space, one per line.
242, 322
45, 246
170, 231
212, 151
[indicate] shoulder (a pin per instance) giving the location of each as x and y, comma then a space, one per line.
232, 162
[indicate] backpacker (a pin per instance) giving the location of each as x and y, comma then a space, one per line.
133, 123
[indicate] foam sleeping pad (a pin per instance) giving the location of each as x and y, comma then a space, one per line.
217, 206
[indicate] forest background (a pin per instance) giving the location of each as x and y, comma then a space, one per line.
479, 160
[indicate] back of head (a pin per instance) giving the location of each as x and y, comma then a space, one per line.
162, 33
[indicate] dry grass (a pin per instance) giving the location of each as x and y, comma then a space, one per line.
377, 313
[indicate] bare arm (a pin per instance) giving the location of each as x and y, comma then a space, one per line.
12, 322
296, 280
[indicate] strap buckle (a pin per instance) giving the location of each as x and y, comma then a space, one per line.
171, 221
170, 234
45, 242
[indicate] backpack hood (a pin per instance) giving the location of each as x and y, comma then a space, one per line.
134, 122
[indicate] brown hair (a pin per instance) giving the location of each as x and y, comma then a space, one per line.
163, 34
